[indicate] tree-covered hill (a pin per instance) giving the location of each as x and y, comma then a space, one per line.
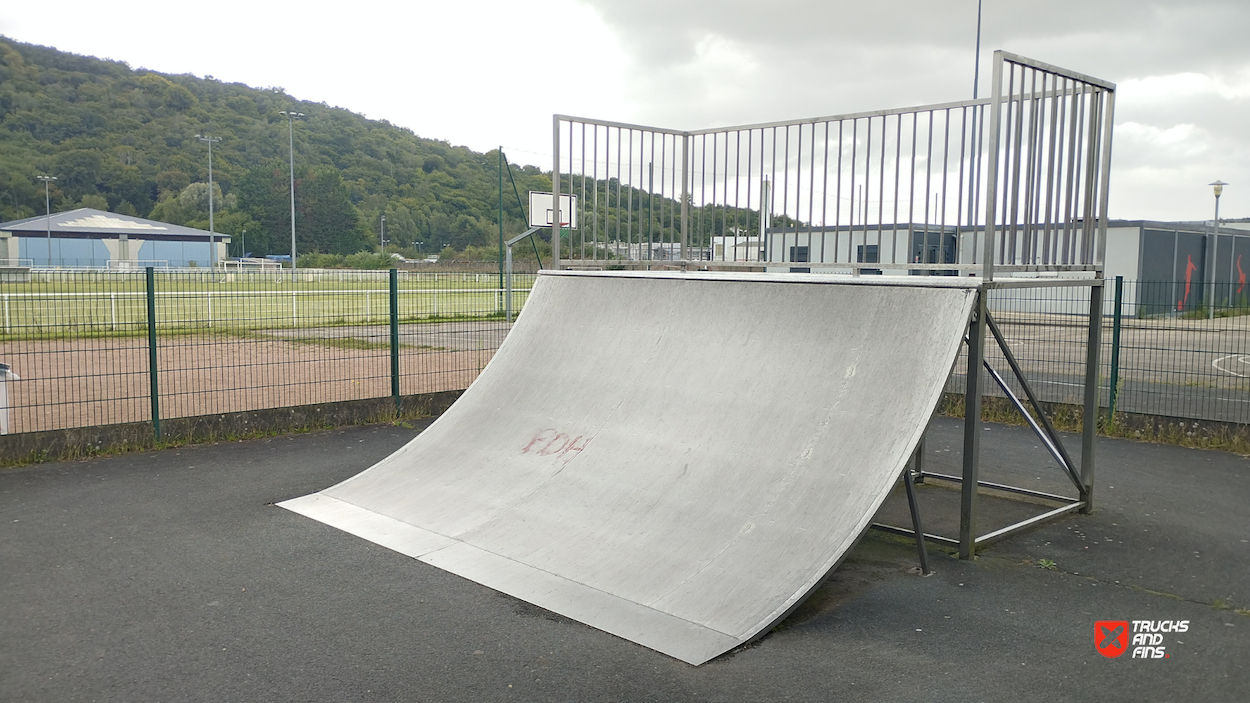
125, 140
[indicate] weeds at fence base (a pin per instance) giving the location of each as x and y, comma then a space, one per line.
107, 440
1196, 434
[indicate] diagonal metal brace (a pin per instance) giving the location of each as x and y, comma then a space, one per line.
1028, 392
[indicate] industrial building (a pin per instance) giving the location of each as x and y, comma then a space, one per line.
1171, 261
93, 238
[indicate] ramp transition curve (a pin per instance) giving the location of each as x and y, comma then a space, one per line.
677, 459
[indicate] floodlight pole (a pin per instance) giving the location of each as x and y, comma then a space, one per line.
382, 235
47, 203
290, 118
212, 244
1215, 239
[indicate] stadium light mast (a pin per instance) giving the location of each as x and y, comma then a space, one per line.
290, 120
212, 244
382, 236
1215, 238
47, 203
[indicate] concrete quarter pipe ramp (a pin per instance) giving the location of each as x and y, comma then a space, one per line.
677, 459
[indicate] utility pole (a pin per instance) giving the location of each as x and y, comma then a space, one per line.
47, 203
212, 244
291, 117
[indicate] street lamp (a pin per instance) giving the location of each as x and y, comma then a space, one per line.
47, 203
1215, 237
212, 244
290, 119
382, 237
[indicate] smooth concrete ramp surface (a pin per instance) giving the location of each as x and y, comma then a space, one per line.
677, 459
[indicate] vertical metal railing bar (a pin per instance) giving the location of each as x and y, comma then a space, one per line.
703, 196
992, 175
663, 198
881, 201
772, 194
724, 192
1078, 204
1069, 206
837, 199
1011, 228
581, 205
594, 206
1048, 232
946, 149
1095, 177
685, 198
964, 159
1088, 186
555, 189
928, 186
650, 199
617, 210
898, 159
1026, 253
1105, 191
750, 185
911, 188
572, 192
785, 194
854, 197
629, 204
811, 201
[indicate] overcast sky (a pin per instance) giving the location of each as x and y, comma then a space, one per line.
490, 72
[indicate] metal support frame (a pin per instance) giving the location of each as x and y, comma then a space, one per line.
507, 295
972, 429
917, 528
1083, 481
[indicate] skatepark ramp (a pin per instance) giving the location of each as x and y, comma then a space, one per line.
674, 458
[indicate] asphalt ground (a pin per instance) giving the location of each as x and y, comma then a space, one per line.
171, 576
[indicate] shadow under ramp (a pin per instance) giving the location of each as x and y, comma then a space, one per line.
677, 459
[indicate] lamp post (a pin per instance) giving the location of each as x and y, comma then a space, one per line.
290, 119
382, 236
243, 247
47, 203
1215, 238
212, 244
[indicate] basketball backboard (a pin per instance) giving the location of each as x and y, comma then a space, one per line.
541, 206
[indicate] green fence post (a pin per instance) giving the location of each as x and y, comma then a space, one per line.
1114, 391
152, 369
395, 338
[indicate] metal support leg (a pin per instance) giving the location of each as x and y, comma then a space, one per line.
972, 430
915, 523
918, 460
1093, 359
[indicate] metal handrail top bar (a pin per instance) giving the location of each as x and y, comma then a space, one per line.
786, 278
935, 107
1056, 70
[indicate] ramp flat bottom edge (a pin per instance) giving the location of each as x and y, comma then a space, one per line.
678, 638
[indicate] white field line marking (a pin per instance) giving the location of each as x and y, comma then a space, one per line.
1241, 359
